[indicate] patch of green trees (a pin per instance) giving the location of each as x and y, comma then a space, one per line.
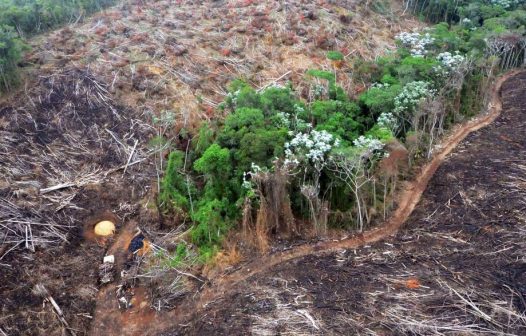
22, 18
300, 165
10, 53
31, 17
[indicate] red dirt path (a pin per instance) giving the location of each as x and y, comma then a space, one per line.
224, 285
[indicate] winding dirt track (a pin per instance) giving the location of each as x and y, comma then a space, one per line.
409, 198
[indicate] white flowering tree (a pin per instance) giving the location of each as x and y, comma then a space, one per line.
388, 121
308, 153
417, 43
449, 63
427, 119
506, 3
353, 166
407, 101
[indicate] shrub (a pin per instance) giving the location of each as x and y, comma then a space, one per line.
380, 99
174, 186
251, 137
343, 119
210, 226
416, 69
11, 49
335, 56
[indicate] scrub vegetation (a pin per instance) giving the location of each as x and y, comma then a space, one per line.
280, 165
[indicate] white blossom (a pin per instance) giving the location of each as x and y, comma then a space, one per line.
247, 183
450, 61
506, 3
283, 119
298, 109
233, 96
369, 148
411, 95
313, 146
416, 42
368, 143
274, 86
387, 120
380, 85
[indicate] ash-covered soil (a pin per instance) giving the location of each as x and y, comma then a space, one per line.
65, 145
458, 267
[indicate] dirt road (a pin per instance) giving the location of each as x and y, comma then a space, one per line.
457, 267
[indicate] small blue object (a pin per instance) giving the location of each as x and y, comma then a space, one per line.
136, 243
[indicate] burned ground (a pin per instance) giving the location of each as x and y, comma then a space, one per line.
64, 146
457, 267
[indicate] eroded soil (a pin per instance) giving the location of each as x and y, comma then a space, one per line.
457, 267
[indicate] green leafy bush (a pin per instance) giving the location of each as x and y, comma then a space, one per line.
10, 54
210, 226
335, 55
34, 16
175, 187
380, 99
343, 119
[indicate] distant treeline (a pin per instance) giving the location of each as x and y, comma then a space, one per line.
452, 11
22, 18
30, 17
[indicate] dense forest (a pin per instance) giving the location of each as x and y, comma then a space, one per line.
20, 19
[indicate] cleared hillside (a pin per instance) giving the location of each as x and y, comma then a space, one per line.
75, 137
456, 268
180, 56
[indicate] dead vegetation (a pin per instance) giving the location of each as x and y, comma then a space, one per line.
69, 155
67, 136
457, 268
160, 55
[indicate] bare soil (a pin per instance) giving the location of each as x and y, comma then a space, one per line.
457, 266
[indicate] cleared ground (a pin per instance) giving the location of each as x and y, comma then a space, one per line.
458, 267
75, 149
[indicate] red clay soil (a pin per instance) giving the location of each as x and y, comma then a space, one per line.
225, 288
456, 267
